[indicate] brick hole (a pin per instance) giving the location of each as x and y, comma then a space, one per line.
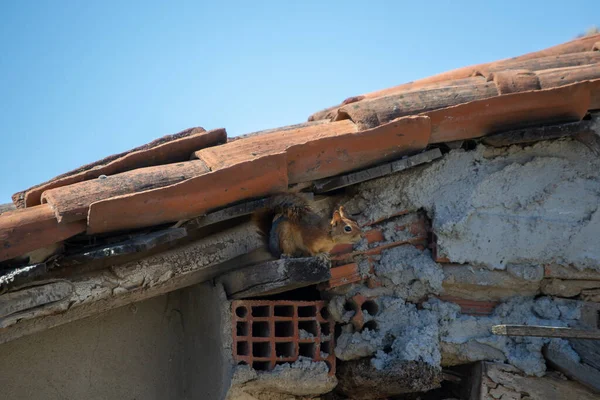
261, 349
370, 306
308, 326
241, 329
260, 311
284, 329
260, 329
285, 349
284, 311
242, 363
261, 365
241, 312
326, 347
328, 365
325, 329
350, 306
324, 313
307, 349
370, 325
307, 311
242, 348
387, 349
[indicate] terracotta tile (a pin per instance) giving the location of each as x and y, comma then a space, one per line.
325, 150
271, 142
576, 52
72, 202
25, 230
166, 150
329, 156
190, 198
267, 333
479, 118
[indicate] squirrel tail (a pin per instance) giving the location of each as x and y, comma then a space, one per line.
290, 205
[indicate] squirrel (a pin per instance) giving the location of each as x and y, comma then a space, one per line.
293, 229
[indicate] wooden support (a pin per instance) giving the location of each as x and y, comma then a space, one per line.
235, 211
34, 296
503, 381
583, 373
530, 135
275, 277
545, 331
136, 244
71, 203
25, 230
338, 182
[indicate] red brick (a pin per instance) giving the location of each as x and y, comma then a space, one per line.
266, 333
343, 275
374, 235
472, 307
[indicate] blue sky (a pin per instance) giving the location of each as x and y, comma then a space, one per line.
80, 80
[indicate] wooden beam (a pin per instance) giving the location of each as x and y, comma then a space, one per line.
503, 381
235, 211
353, 178
136, 244
275, 277
583, 373
34, 296
530, 135
118, 285
545, 331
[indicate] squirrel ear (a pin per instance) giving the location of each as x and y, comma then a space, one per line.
336, 217
343, 213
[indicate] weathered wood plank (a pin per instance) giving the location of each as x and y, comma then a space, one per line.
119, 285
235, 211
588, 350
588, 376
34, 296
545, 331
275, 277
503, 381
338, 182
136, 244
530, 135
17, 276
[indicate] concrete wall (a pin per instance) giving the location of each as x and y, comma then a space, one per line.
164, 348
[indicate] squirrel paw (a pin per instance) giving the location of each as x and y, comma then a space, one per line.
285, 256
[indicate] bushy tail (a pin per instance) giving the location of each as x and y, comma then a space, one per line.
292, 206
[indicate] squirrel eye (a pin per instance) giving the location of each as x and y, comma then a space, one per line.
348, 228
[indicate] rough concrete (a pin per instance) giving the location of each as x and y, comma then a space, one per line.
541, 201
304, 378
206, 349
168, 347
360, 380
130, 352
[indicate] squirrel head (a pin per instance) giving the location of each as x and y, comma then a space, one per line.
343, 229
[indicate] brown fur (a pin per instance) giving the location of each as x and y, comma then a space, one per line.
293, 229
